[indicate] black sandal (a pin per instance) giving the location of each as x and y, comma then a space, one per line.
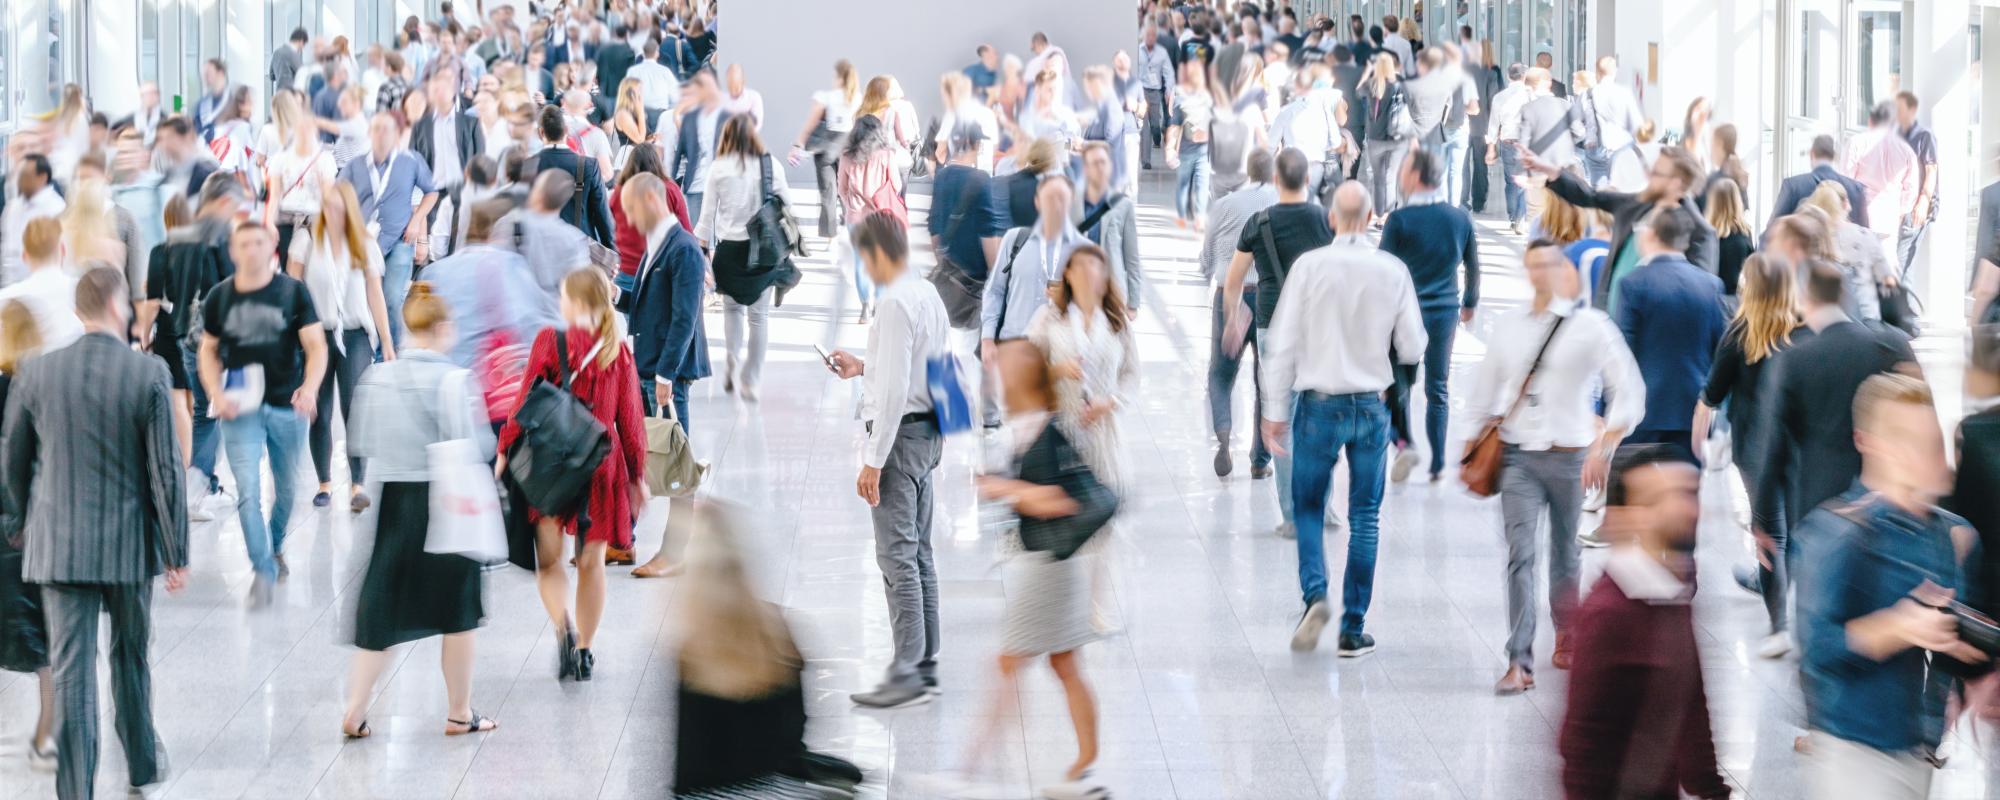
358, 733
477, 724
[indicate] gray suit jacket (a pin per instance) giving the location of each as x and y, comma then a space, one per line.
1548, 132
1121, 242
93, 474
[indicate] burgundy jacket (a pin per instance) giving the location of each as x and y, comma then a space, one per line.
1637, 723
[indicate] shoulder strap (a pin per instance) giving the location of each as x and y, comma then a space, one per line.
1278, 266
958, 212
1097, 216
1534, 367
764, 164
562, 357
1006, 274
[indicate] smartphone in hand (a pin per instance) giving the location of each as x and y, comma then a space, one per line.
826, 359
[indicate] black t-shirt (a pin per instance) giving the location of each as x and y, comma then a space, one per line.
262, 327
1295, 229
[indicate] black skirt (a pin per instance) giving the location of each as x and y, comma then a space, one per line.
24, 637
409, 594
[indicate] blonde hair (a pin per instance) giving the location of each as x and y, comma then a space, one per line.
1883, 389
734, 645
632, 107
875, 100
354, 234
42, 239
850, 81
72, 106
1725, 208
1564, 222
591, 291
1770, 309
423, 311
1380, 72
19, 336
87, 225
1042, 154
1831, 198
285, 114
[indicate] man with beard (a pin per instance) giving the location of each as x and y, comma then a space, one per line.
1674, 172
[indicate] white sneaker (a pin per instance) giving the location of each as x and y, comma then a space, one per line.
1286, 531
1306, 636
1406, 462
1775, 645
1084, 788
198, 511
1594, 500
42, 760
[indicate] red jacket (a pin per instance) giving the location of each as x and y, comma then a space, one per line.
612, 393
631, 241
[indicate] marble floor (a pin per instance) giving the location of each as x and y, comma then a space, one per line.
1201, 698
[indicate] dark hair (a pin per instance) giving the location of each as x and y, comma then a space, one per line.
299, 34
98, 120
1425, 165
1909, 98
481, 170
738, 137
1375, 34
1392, 23
1882, 112
552, 125
1542, 242
1824, 283
512, 163
1825, 147
1114, 294
1292, 169
40, 163
866, 137
178, 124
98, 289
644, 158
1342, 54
1672, 225
1261, 165
217, 65
882, 233
552, 189
1517, 71
1629, 459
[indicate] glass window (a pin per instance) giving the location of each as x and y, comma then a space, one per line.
1544, 41
149, 40
190, 82
1511, 35
1817, 55
6, 79
1576, 34
1878, 57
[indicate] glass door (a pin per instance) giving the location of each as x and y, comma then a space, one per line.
1875, 29
1812, 57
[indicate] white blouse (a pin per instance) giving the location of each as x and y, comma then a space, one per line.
301, 179
732, 197
339, 291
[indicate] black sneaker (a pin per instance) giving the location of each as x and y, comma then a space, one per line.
892, 697
1259, 472
322, 500
1356, 645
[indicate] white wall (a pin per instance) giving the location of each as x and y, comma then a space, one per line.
787, 48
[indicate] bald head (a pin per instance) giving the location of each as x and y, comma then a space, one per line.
645, 200
1351, 208
552, 190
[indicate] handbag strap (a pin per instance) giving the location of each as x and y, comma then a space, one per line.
562, 358
1098, 215
1534, 367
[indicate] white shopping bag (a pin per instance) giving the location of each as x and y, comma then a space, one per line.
465, 503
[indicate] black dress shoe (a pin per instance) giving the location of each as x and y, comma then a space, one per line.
566, 655
584, 663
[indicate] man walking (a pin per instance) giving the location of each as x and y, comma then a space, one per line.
1795, 189
669, 344
1156, 76
694, 147
901, 455
1667, 186
1435, 239
384, 182
1672, 316
1344, 309
1885, 164
1609, 118
1924, 144
1503, 145
100, 516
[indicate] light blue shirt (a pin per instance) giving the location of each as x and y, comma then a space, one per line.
489, 289
1017, 290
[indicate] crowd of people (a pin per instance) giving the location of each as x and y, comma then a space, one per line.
490, 231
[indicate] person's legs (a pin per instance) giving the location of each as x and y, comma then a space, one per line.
1222, 371
681, 403
759, 315
1366, 429
319, 435
360, 356
206, 437
1441, 325
825, 173
551, 581
1596, 165
1282, 462
72, 618
1561, 477
1316, 448
397, 266
1155, 125
864, 287
243, 440
589, 591
693, 204
1184, 189
130, 608
1521, 504
734, 316
456, 663
45, 722
930, 452
1198, 198
362, 672
1082, 710
1478, 180
1260, 456
1908, 238
897, 553
1511, 173
284, 432
1454, 165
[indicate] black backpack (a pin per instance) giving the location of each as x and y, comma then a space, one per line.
774, 234
560, 446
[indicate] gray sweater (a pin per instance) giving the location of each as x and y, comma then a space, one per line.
397, 414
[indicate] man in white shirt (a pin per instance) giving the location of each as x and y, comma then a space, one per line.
1156, 77
1563, 351
657, 84
1393, 41
1343, 308
37, 198
901, 454
1505, 130
48, 290
551, 246
741, 98
1609, 117
1888, 168
1309, 124
147, 120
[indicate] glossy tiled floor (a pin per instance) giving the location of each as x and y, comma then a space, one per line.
1201, 699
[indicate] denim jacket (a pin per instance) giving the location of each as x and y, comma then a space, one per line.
396, 415
1866, 554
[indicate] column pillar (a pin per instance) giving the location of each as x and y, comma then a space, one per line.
244, 47
1938, 76
1987, 153
113, 31
29, 29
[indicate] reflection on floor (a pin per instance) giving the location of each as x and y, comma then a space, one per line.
1200, 699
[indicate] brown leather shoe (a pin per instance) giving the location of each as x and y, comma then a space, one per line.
1565, 653
614, 557
1517, 680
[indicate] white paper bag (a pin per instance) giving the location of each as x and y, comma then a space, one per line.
464, 503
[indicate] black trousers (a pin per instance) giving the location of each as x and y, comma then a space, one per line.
344, 368
73, 611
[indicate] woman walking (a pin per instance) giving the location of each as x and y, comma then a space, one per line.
832, 116
1763, 326
296, 179
1729, 218
341, 267
1723, 163
869, 183
1187, 146
1381, 93
1857, 251
602, 376
24, 639
407, 593
735, 192
884, 101
1085, 331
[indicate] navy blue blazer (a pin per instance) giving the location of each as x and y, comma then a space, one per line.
688, 154
1672, 315
668, 339
1794, 190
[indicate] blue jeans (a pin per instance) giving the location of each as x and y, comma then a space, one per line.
1455, 140
203, 456
1597, 165
1440, 324
647, 386
397, 266
864, 287
1222, 371
1191, 185
693, 204
1511, 172
1322, 425
246, 438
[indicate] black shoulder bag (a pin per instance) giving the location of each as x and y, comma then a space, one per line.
961, 293
561, 443
1053, 461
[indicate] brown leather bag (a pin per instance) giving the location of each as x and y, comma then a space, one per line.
1479, 469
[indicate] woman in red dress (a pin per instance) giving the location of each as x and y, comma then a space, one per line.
602, 376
